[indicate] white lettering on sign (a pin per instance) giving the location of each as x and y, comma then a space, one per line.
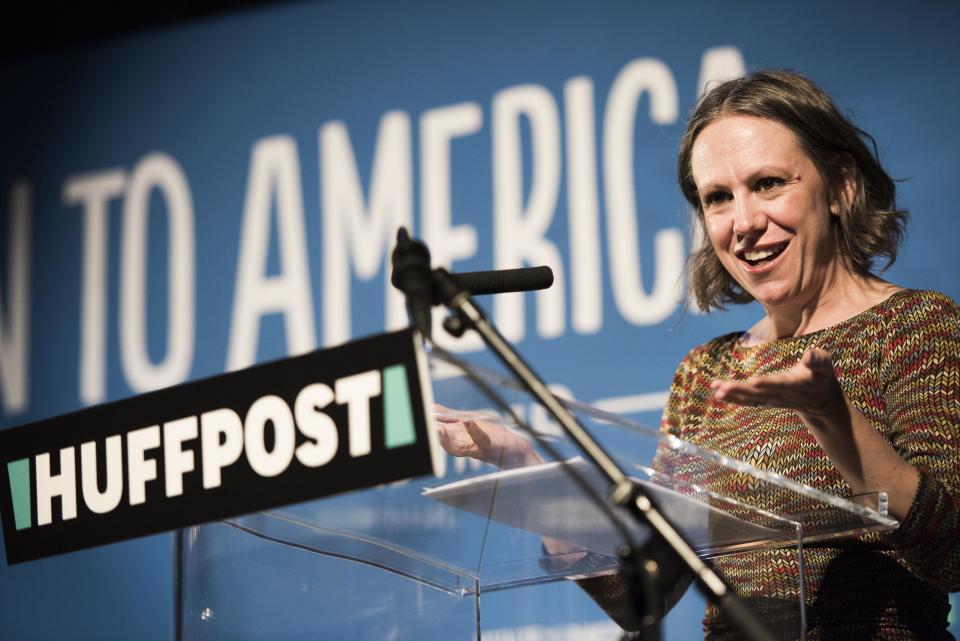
448, 243
94, 191
651, 77
160, 172
538, 142
15, 314
102, 502
274, 180
520, 227
357, 231
63, 485
266, 436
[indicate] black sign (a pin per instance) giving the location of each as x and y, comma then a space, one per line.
330, 421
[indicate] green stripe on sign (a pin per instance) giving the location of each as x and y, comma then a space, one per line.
397, 413
19, 473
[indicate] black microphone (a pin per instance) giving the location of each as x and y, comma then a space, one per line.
500, 281
412, 276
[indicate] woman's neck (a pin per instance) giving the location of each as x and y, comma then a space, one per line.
844, 299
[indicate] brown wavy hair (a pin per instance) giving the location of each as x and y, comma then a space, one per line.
869, 225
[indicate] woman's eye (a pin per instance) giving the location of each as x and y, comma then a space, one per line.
715, 198
766, 184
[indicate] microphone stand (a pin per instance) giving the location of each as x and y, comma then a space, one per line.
640, 570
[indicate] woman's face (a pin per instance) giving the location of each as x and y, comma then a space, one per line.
766, 210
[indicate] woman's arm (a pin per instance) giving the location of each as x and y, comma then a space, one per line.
911, 449
867, 460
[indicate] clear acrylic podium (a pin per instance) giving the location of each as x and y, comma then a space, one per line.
416, 560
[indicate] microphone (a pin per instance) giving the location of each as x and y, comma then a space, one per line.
501, 281
412, 276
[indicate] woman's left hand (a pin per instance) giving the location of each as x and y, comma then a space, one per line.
810, 388
865, 458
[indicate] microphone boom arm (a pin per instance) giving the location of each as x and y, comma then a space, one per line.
449, 290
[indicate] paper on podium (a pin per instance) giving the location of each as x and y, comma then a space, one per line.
546, 500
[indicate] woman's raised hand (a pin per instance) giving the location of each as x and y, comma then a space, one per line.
483, 437
810, 388
867, 461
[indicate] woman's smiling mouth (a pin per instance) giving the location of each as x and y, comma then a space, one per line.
759, 258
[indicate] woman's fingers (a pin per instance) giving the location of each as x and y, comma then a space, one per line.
806, 387
743, 394
733, 390
773, 391
479, 436
466, 437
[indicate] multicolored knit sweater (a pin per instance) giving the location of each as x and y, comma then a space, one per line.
899, 364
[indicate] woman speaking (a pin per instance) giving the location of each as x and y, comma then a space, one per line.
847, 383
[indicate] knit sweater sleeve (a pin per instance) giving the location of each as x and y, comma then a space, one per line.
922, 398
688, 391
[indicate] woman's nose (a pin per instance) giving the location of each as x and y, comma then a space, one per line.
748, 218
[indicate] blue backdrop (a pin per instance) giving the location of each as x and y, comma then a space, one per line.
190, 200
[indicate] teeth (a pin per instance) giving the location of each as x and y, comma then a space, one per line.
758, 255
761, 253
